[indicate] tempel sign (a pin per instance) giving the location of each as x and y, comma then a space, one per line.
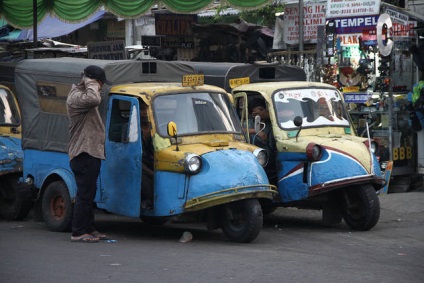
349, 8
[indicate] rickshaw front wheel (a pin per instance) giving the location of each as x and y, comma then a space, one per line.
360, 207
241, 221
57, 207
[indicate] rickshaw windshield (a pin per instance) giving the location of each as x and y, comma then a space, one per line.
317, 106
196, 113
9, 115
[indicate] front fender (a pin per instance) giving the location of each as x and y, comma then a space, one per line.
66, 176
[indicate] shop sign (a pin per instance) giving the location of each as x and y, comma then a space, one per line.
115, 29
349, 39
397, 17
355, 24
369, 37
151, 40
400, 30
174, 24
106, 50
184, 42
355, 97
349, 8
313, 16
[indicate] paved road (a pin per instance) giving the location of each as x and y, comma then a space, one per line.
292, 247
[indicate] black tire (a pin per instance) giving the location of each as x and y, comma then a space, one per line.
360, 207
15, 203
241, 221
57, 207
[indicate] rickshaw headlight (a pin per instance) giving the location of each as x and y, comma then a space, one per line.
314, 151
373, 147
262, 156
192, 163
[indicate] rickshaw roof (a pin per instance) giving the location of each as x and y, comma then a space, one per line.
153, 89
270, 87
220, 74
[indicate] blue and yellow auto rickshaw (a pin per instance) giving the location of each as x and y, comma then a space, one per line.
203, 167
318, 161
15, 196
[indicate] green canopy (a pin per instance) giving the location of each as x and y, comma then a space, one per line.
20, 13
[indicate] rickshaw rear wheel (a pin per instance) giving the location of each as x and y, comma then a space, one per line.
14, 205
57, 207
360, 207
241, 221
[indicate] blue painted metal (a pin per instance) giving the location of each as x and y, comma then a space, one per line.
224, 169
121, 188
294, 183
44, 164
170, 193
11, 155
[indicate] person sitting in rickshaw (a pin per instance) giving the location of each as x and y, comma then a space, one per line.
265, 137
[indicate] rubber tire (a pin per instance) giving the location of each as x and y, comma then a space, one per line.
360, 207
57, 208
241, 221
14, 204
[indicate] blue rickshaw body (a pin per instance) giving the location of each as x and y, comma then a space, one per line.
11, 155
297, 181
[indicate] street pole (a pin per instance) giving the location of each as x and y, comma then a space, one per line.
300, 25
34, 23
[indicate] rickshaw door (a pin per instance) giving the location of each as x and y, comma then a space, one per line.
240, 102
120, 174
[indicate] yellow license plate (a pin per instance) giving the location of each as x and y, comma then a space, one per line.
193, 80
239, 81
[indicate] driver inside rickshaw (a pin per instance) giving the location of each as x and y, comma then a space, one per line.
265, 137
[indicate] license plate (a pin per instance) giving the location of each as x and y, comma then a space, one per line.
193, 80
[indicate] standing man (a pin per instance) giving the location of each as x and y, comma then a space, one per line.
86, 149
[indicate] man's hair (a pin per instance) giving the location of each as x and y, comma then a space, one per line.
256, 103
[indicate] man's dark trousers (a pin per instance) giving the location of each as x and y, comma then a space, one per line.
86, 169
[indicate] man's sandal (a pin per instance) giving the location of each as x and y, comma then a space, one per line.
86, 238
99, 235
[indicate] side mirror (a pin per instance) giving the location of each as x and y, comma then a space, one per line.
298, 121
257, 124
172, 129
172, 132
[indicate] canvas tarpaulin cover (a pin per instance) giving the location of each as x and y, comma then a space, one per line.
20, 13
49, 131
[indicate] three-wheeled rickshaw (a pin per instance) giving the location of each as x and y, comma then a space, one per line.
15, 196
203, 167
318, 159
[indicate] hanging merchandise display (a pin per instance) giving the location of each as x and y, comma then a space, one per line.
374, 74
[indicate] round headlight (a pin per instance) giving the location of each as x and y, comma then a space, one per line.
262, 156
373, 147
192, 163
313, 151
